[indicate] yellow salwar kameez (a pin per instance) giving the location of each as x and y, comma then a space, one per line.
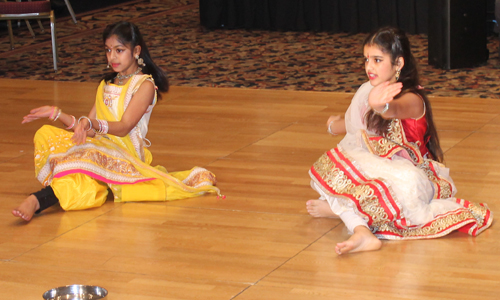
82, 175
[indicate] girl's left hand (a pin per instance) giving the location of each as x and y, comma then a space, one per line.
38, 113
80, 132
383, 93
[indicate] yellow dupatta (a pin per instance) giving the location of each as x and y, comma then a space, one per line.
158, 184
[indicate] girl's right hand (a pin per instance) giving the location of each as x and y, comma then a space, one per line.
332, 119
334, 126
80, 132
38, 113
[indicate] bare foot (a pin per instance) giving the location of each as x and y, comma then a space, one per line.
320, 209
27, 208
362, 240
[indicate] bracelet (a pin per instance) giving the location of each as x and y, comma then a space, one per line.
386, 108
103, 127
329, 129
53, 113
58, 115
72, 124
88, 119
100, 127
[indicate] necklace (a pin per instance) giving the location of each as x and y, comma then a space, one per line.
122, 77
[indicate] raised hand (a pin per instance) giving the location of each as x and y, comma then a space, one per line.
383, 93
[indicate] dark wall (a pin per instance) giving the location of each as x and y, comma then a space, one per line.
351, 16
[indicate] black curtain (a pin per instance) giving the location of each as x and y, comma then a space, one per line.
351, 16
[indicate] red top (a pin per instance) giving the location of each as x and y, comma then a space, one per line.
415, 130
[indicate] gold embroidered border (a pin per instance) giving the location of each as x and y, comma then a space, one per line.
478, 211
340, 182
394, 142
438, 227
442, 187
100, 160
199, 177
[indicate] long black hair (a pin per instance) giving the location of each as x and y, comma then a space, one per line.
393, 41
129, 35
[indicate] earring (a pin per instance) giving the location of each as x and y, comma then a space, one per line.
107, 66
140, 61
398, 72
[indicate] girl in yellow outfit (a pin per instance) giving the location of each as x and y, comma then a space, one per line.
108, 148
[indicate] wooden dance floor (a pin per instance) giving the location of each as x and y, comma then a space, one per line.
259, 242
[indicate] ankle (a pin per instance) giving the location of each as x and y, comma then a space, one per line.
34, 200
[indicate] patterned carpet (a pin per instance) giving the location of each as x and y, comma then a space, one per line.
226, 58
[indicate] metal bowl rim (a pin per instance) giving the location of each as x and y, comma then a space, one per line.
66, 290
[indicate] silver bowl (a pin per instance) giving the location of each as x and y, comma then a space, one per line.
75, 292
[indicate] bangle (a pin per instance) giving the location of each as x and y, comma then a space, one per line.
88, 119
72, 124
58, 115
386, 108
103, 127
329, 129
53, 113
